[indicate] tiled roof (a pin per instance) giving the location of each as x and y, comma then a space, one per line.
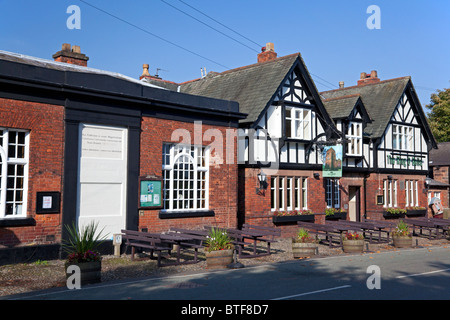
252, 86
341, 107
380, 100
440, 156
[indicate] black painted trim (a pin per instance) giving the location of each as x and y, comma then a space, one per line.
17, 222
192, 214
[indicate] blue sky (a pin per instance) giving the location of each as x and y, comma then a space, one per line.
332, 36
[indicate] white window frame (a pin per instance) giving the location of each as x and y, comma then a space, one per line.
402, 137
199, 157
354, 134
289, 193
332, 194
6, 161
273, 193
412, 193
298, 118
390, 193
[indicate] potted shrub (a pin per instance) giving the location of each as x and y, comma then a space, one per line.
303, 245
401, 236
416, 211
353, 242
218, 249
293, 216
393, 213
82, 249
334, 214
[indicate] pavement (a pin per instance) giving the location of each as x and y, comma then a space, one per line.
408, 274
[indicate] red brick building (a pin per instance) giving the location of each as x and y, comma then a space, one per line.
377, 128
438, 183
79, 144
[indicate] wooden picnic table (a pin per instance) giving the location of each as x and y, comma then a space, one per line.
328, 230
182, 240
369, 227
255, 234
439, 229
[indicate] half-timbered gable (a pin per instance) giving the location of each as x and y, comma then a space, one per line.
285, 115
351, 119
398, 137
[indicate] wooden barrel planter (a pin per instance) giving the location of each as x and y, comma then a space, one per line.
402, 242
90, 271
303, 249
219, 259
353, 246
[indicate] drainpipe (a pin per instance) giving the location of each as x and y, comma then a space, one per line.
365, 196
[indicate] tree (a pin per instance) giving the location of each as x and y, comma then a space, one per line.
439, 116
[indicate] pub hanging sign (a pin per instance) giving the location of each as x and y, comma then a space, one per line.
332, 161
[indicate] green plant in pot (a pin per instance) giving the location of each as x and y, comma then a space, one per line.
303, 245
82, 251
401, 235
219, 249
353, 242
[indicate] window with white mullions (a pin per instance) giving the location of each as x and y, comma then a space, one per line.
13, 172
402, 137
332, 193
390, 193
354, 136
185, 174
412, 194
298, 123
288, 193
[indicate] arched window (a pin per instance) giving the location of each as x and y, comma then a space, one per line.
186, 175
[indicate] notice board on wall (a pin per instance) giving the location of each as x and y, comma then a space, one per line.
150, 193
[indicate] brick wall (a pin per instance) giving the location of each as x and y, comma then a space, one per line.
256, 208
222, 177
46, 125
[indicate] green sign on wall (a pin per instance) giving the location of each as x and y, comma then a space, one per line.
150, 193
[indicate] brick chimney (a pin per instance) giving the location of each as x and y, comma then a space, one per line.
71, 54
267, 53
368, 78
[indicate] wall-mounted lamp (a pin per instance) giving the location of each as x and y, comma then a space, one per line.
262, 178
316, 175
389, 177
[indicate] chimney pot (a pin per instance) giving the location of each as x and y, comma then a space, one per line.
76, 49
66, 47
145, 70
270, 46
341, 84
363, 75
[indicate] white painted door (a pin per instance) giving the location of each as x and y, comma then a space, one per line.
102, 177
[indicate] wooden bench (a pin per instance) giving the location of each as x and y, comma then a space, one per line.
328, 231
268, 232
145, 240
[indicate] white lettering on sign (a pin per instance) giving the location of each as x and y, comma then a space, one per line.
101, 143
